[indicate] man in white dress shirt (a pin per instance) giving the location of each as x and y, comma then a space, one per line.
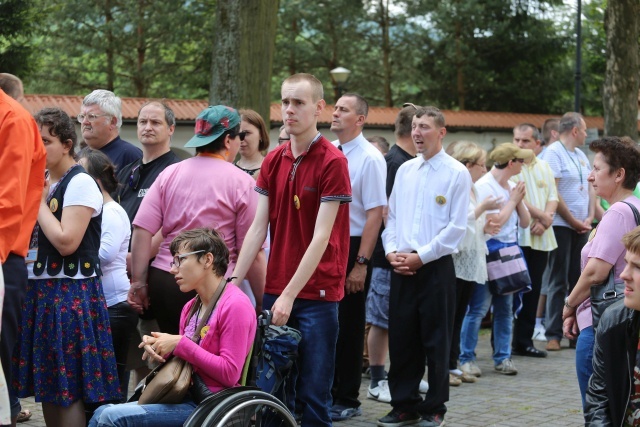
427, 220
368, 173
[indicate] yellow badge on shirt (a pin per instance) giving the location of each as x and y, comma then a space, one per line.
441, 200
204, 331
53, 205
296, 202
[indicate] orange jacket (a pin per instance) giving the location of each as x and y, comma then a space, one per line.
22, 163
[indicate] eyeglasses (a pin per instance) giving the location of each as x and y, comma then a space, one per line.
519, 160
178, 258
283, 140
134, 178
91, 117
240, 135
410, 104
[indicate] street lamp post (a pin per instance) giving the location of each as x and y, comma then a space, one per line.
340, 76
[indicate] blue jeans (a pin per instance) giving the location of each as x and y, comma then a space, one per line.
584, 358
502, 324
134, 415
317, 322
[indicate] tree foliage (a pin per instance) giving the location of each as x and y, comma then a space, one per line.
134, 47
17, 22
496, 55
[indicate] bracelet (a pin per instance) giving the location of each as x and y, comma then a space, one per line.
566, 304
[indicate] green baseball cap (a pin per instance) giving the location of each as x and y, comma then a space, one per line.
212, 122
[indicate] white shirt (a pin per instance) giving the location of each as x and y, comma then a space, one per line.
114, 245
488, 186
82, 190
428, 207
572, 169
368, 175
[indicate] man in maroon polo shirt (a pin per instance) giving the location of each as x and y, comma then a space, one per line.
304, 189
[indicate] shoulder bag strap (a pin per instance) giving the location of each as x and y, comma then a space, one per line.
636, 214
207, 313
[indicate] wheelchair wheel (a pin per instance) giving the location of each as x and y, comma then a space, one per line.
250, 409
206, 406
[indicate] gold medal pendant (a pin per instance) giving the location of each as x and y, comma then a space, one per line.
53, 205
441, 200
296, 202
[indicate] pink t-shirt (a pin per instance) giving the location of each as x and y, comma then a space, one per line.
605, 243
199, 192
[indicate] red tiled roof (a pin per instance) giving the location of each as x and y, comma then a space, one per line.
188, 110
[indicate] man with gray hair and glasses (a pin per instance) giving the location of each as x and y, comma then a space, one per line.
101, 118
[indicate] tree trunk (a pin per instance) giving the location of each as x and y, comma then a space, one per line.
386, 51
243, 54
620, 98
110, 46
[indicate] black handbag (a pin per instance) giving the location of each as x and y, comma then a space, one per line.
507, 271
605, 294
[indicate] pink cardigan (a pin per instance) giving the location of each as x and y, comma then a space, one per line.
220, 356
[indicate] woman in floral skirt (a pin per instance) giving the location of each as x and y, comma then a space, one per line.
65, 355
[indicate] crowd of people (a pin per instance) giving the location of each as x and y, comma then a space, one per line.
380, 254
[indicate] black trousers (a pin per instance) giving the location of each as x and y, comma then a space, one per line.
14, 271
123, 320
351, 322
421, 313
166, 299
526, 322
464, 290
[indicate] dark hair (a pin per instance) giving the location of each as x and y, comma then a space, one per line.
169, 115
99, 166
568, 122
254, 118
620, 153
547, 127
11, 85
403, 121
218, 144
59, 124
362, 106
207, 240
535, 133
435, 113
380, 140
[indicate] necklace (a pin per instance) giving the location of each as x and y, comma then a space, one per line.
212, 155
577, 165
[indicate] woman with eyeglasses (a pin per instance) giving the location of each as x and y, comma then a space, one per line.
204, 191
199, 260
65, 355
114, 245
256, 141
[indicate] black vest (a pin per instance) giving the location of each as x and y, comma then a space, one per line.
85, 258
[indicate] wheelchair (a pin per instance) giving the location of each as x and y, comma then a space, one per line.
246, 405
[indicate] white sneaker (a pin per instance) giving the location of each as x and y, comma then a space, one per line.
471, 368
424, 387
539, 333
380, 393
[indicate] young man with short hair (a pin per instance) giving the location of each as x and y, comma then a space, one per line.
304, 192
427, 220
613, 396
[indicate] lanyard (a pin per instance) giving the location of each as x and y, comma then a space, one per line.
577, 165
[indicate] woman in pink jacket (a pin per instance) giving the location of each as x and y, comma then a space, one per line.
200, 260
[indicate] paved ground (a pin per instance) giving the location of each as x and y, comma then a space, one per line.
544, 393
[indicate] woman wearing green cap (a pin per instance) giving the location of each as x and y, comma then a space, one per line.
204, 191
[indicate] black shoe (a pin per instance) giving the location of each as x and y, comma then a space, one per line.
530, 351
435, 420
397, 418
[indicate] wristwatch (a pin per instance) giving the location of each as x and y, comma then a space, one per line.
566, 304
361, 259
